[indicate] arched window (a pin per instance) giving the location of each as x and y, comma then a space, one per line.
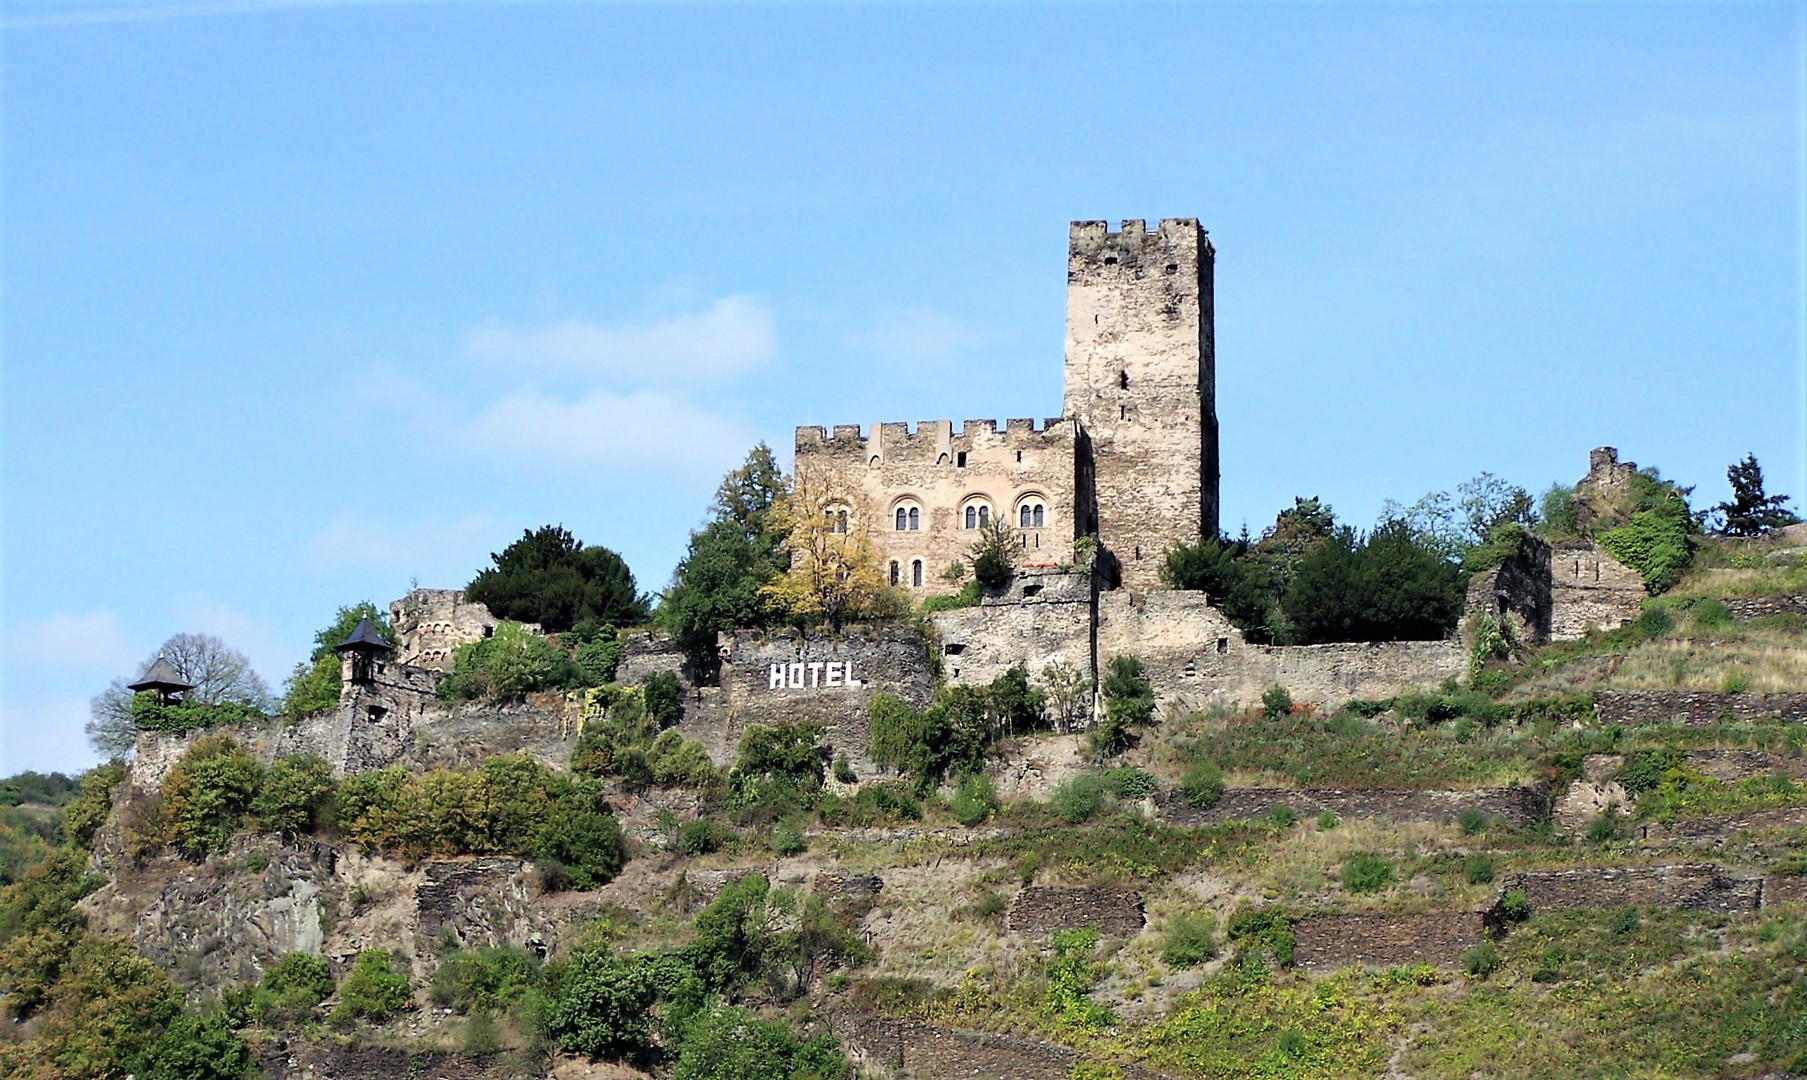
1038, 515
894, 566
972, 517
915, 518
984, 516
916, 573
840, 521
902, 517
1023, 516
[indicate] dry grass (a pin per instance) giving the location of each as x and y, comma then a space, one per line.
1754, 656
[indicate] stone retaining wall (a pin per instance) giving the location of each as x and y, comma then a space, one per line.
326, 1060
1696, 886
1763, 607
1041, 909
1694, 707
1328, 942
1717, 830
1516, 806
929, 1052
1784, 889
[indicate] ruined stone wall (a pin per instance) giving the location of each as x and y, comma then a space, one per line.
1043, 909
1718, 830
648, 652
1516, 592
1514, 806
430, 623
829, 678
930, 1052
1694, 707
1699, 886
439, 736
1044, 617
1328, 942
1196, 658
1603, 497
1141, 380
1590, 589
329, 1060
1781, 889
935, 474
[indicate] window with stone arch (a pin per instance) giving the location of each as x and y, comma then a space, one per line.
1031, 512
837, 518
906, 517
894, 567
977, 514
916, 573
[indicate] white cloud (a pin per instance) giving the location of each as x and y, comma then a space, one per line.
642, 428
422, 548
93, 644
917, 335
734, 335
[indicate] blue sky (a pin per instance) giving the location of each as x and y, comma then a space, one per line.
303, 302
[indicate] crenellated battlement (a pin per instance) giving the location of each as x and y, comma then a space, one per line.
1175, 241
897, 437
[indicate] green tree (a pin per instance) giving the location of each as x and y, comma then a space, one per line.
294, 795
726, 1043
511, 662
1751, 512
373, 989
717, 585
1129, 703
994, 555
207, 794
1390, 586
1225, 571
549, 577
603, 1008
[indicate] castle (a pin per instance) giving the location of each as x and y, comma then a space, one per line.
1132, 460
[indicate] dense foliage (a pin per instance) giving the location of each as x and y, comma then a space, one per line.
218, 675
551, 578
1655, 538
953, 735
718, 584
1751, 512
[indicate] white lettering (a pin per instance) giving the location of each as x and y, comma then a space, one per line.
815, 672
777, 679
795, 672
831, 675
851, 681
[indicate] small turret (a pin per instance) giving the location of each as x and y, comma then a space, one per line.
360, 651
164, 679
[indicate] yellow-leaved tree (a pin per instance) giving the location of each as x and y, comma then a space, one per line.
833, 574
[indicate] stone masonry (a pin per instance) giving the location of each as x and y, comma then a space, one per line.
1695, 707
1328, 942
1043, 909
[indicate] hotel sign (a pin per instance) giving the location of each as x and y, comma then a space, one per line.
813, 674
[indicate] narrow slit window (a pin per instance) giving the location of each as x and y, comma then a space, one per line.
840, 522
893, 571
960, 460
916, 573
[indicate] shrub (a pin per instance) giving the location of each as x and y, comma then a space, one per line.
179, 716
994, 555
1712, 614
294, 796
843, 770
93, 801
975, 799
777, 765
598, 659
1257, 929
787, 838
1471, 821
967, 597
1482, 960
702, 836
373, 989
1654, 543
1191, 939
1625, 921
1282, 816
510, 663
1653, 623
1603, 828
1080, 799
603, 1006
1128, 703
1201, 785
1515, 907
1327, 820
1478, 869
1275, 702
1388, 586
1367, 873
1129, 782
301, 974
874, 804
483, 979
725, 1043
664, 699
207, 794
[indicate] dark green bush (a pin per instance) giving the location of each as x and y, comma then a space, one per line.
1471, 821
873, 804
1387, 586
510, 663
480, 980
372, 989
1367, 873
603, 1006
598, 659
206, 796
179, 716
1129, 703
726, 1043
1625, 921
787, 838
664, 699
549, 577
1654, 543
967, 597
1603, 828
702, 836
1478, 868
1276, 702
1129, 782
295, 796
1482, 960
1327, 820
1263, 929
1514, 906
300, 973
1201, 785
843, 770
975, 799
1282, 816
1191, 939
1080, 799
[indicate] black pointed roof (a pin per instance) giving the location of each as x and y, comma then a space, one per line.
162, 677
364, 638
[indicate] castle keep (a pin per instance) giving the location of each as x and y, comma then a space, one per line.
1131, 462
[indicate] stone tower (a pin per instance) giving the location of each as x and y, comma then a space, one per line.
1141, 380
